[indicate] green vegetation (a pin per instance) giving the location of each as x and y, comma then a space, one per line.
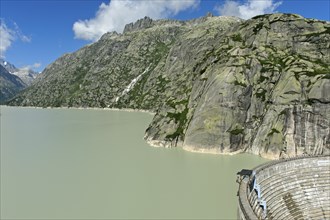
273, 131
180, 119
237, 83
79, 75
326, 76
310, 101
262, 78
317, 34
258, 27
158, 52
237, 131
261, 94
237, 37
260, 17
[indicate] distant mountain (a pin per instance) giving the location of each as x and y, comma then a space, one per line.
10, 85
8, 66
13, 80
25, 74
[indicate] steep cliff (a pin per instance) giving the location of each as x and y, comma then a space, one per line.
217, 84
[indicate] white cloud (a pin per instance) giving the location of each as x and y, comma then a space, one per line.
20, 35
247, 10
114, 16
37, 65
25, 38
6, 38
9, 35
33, 66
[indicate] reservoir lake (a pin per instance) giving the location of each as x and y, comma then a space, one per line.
94, 164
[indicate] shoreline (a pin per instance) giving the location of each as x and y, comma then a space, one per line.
156, 143
213, 151
210, 151
217, 152
82, 108
161, 144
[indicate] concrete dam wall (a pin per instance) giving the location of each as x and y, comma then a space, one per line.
296, 188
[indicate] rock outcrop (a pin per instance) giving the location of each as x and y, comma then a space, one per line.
216, 84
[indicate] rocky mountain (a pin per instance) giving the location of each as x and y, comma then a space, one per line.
13, 80
25, 74
10, 85
8, 66
216, 84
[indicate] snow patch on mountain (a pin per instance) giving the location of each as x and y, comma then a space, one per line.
25, 74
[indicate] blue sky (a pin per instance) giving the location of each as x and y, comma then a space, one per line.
40, 31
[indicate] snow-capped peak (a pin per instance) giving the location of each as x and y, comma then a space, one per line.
25, 74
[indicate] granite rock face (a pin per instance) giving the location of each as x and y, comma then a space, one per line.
269, 96
216, 84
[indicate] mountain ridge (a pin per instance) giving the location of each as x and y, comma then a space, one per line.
26, 74
14, 79
10, 85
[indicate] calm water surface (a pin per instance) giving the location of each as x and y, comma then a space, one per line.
94, 164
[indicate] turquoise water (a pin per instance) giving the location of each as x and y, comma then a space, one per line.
94, 164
